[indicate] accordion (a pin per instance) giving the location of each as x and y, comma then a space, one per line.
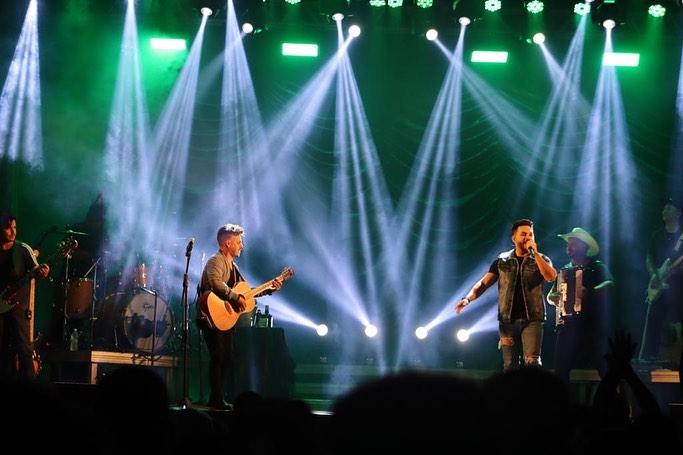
569, 286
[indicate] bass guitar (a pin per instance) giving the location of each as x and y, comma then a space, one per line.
8, 295
658, 282
222, 315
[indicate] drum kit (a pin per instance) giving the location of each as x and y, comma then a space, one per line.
121, 311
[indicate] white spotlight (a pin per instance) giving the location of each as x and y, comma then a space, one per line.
247, 28
431, 34
609, 24
354, 31
539, 38
463, 335
370, 330
337, 17
321, 330
421, 333
206, 12
464, 20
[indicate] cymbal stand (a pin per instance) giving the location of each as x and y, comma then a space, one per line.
65, 325
93, 317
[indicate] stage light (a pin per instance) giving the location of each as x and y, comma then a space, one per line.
206, 11
656, 10
620, 59
432, 34
539, 38
421, 333
167, 44
609, 24
322, 330
582, 9
354, 31
463, 335
247, 28
489, 57
378, 3
370, 331
425, 3
293, 2
395, 3
337, 17
464, 20
492, 5
299, 50
535, 6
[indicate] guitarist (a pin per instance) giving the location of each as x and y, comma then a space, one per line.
666, 245
16, 259
220, 275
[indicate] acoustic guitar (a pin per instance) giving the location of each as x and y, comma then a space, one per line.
222, 315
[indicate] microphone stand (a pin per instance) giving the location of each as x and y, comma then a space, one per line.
185, 403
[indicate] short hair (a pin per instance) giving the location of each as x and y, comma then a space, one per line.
6, 219
522, 222
228, 230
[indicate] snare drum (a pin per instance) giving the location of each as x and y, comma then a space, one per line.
128, 322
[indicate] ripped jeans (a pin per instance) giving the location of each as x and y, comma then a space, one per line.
520, 339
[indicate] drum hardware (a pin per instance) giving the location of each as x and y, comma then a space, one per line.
139, 322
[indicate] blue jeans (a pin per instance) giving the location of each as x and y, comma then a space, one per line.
520, 339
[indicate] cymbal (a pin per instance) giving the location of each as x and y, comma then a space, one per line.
70, 232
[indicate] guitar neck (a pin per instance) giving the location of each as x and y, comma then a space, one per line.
257, 290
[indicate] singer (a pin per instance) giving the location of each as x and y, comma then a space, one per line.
220, 275
520, 273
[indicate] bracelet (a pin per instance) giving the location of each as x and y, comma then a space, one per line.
468, 300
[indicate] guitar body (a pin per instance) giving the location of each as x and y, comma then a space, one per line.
658, 283
220, 313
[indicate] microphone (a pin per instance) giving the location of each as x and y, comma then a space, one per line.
190, 244
532, 252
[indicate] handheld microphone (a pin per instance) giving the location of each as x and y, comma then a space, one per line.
532, 252
190, 244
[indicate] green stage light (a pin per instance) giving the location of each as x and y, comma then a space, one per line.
489, 57
167, 44
425, 3
582, 9
293, 2
395, 3
492, 5
300, 50
535, 6
378, 3
620, 59
656, 10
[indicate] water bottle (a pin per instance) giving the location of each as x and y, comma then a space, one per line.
73, 341
258, 318
268, 317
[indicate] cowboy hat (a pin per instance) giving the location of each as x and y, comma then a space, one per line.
585, 237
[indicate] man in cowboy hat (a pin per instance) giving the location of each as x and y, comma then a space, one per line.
580, 295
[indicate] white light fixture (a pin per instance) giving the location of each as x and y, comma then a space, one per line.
432, 34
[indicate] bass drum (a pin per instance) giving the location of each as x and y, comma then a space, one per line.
127, 322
